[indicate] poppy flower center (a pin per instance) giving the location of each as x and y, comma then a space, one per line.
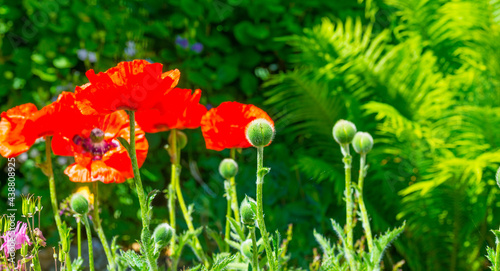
94, 144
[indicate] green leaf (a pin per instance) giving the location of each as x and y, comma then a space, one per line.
63, 62
124, 143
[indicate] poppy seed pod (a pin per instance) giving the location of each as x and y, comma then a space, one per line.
228, 168
247, 212
79, 204
259, 132
246, 249
362, 142
163, 234
344, 131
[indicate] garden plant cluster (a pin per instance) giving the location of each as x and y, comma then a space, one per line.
103, 125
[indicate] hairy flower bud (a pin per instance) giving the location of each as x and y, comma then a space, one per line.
247, 211
181, 139
247, 248
228, 168
344, 131
163, 234
79, 204
362, 142
259, 132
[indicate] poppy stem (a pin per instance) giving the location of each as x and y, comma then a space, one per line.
89, 241
255, 250
176, 169
145, 214
362, 207
79, 236
53, 198
234, 194
349, 250
98, 227
171, 206
227, 236
261, 172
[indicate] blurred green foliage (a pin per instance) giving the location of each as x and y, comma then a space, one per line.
46, 47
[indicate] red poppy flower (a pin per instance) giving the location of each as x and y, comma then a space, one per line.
13, 139
99, 156
134, 85
22, 125
224, 126
178, 109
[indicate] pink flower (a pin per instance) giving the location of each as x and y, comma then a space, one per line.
18, 236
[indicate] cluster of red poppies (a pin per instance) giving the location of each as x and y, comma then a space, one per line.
87, 123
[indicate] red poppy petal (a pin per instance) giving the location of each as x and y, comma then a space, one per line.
106, 174
14, 138
224, 127
62, 146
78, 174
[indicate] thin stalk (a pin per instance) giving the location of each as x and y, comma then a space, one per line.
497, 255
176, 169
260, 210
255, 250
53, 197
145, 234
234, 193
171, 206
89, 241
228, 215
98, 227
349, 205
362, 207
79, 236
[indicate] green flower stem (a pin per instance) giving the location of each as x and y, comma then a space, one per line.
98, 227
255, 250
53, 198
79, 236
261, 172
228, 215
349, 205
176, 170
145, 234
234, 194
89, 241
497, 255
362, 207
171, 207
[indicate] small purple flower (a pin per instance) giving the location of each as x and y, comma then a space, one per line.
182, 42
197, 47
130, 44
16, 238
82, 54
129, 51
92, 57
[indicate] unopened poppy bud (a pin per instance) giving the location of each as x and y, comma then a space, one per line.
362, 142
181, 139
344, 131
247, 212
259, 132
247, 249
79, 204
228, 168
163, 234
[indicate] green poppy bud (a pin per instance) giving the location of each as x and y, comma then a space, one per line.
344, 131
362, 142
181, 139
246, 249
259, 132
163, 234
228, 168
79, 204
247, 211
